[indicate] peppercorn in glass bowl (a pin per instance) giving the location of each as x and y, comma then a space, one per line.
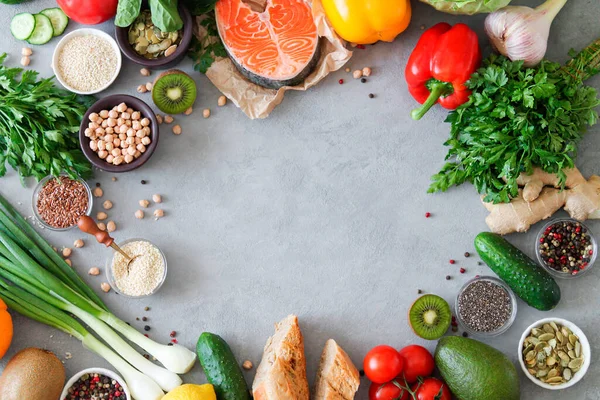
116, 384
566, 248
485, 306
143, 276
58, 202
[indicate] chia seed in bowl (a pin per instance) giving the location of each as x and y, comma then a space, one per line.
486, 306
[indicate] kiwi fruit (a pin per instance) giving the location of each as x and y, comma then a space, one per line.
174, 91
32, 374
430, 317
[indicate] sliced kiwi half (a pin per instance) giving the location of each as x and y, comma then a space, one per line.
174, 91
430, 317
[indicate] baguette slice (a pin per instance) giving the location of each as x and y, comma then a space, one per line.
337, 377
281, 374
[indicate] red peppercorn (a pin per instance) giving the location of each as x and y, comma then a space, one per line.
145, 334
541, 240
452, 261
427, 214
173, 334
174, 341
462, 270
341, 81
360, 46
591, 252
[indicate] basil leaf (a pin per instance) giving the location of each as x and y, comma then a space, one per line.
127, 12
165, 15
199, 7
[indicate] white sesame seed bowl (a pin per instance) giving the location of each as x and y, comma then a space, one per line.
86, 61
585, 352
144, 276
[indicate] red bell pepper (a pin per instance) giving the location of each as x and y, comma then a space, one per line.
444, 59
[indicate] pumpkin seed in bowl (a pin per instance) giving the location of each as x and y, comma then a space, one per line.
150, 42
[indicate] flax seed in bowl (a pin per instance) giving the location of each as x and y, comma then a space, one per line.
86, 61
59, 202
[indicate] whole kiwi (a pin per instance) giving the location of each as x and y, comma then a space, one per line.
32, 374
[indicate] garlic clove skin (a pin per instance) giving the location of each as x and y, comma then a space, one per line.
519, 33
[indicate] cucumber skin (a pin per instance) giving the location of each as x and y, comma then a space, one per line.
527, 279
221, 368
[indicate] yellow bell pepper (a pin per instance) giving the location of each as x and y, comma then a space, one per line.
368, 21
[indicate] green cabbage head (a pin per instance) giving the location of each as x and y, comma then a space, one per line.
467, 6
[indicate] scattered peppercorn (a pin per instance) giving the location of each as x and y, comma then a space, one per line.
360, 46
371, 95
144, 319
146, 308
361, 372
169, 344
174, 340
462, 270
341, 81
137, 318
454, 328
479, 263
448, 277
173, 334
146, 328
147, 356
467, 254
419, 291
465, 334
143, 182
427, 214
363, 80
452, 261
97, 184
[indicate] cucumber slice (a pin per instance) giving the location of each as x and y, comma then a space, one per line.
58, 18
22, 26
43, 30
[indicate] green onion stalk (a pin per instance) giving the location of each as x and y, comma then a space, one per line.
37, 273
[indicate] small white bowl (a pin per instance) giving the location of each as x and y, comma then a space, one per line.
101, 371
585, 350
86, 32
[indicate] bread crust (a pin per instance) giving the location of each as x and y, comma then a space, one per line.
337, 376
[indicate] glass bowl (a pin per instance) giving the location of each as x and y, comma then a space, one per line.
507, 324
111, 278
560, 274
36, 193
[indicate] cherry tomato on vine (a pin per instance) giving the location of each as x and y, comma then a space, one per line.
387, 391
432, 389
418, 361
382, 364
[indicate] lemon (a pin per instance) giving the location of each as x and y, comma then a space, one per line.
192, 392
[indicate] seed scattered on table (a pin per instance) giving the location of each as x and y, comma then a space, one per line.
157, 198
177, 130
221, 101
159, 213
26, 51
145, 72
79, 243
247, 365
366, 71
144, 203
107, 205
62, 201
25, 61
142, 89
188, 111
101, 216
111, 226
69, 262
139, 214
357, 74
206, 113
105, 287
94, 271
347, 69
484, 306
168, 119
149, 86
98, 192
66, 252
101, 226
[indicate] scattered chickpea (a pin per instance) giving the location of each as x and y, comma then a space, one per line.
157, 198
347, 69
188, 111
66, 252
206, 113
139, 214
105, 287
79, 243
111, 226
159, 119
159, 213
98, 192
149, 86
177, 130
26, 51
247, 365
94, 271
145, 72
144, 203
168, 119
101, 226
25, 61
357, 74
107, 205
222, 101
366, 71
101, 216
142, 89
69, 263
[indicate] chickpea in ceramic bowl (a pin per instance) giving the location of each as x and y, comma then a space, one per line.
119, 133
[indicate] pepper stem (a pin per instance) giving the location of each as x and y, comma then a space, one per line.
437, 90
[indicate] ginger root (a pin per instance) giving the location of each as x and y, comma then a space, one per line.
538, 201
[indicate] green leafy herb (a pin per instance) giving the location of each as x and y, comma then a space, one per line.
127, 12
165, 15
39, 125
203, 51
467, 6
516, 119
199, 7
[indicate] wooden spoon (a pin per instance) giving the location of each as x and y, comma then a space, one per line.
88, 225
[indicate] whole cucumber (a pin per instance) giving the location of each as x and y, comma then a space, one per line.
525, 277
221, 368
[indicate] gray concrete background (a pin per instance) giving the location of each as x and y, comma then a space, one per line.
317, 210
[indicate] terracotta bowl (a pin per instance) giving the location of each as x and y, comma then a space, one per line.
163, 62
107, 103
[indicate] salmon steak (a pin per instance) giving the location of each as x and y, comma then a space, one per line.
273, 48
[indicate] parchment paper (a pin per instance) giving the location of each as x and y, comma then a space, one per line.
258, 102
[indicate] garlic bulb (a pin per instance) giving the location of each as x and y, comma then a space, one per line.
521, 33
